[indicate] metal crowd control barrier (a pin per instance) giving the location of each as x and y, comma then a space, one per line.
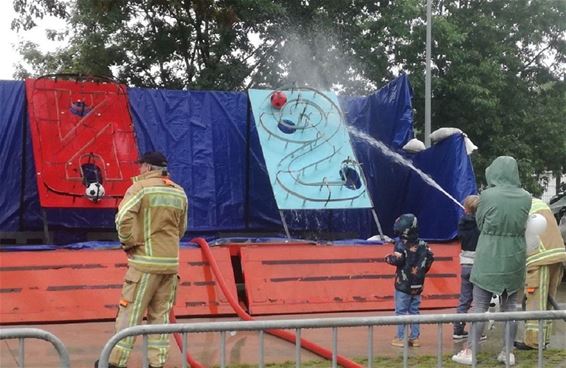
334, 324
35, 333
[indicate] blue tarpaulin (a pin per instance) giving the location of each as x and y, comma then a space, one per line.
203, 134
12, 121
213, 149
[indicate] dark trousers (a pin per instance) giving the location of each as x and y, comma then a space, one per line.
466, 294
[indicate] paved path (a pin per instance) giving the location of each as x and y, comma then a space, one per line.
84, 342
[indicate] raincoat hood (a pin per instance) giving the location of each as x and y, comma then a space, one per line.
503, 171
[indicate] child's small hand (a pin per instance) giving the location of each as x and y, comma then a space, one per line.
392, 258
394, 255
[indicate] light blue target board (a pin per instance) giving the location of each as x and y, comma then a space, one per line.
307, 150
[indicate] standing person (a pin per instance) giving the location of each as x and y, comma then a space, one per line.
499, 265
151, 220
413, 259
468, 233
544, 274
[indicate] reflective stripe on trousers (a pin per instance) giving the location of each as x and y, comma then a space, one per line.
154, 293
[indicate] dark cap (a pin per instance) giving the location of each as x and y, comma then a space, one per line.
153, 158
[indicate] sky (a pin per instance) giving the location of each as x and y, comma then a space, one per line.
9, 39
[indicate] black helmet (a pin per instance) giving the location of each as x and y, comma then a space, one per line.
406, 227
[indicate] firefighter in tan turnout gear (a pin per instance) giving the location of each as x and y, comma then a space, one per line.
151, 220
544, 274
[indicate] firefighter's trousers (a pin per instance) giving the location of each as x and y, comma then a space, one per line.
544, 282
141, 292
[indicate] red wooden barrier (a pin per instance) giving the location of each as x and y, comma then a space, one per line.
305, 279
76, 285
73, 285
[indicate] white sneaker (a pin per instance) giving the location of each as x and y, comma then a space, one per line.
463, 357
502, 357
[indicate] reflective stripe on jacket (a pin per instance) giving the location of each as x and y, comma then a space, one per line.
551, 248
151, 220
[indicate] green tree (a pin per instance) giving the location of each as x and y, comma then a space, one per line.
198, 44
229, 44
498, 74
498, 65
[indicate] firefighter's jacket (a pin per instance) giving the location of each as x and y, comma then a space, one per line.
551, 247
151, 220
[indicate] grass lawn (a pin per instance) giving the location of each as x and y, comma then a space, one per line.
525, 359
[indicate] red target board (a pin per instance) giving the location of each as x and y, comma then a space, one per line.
83, 138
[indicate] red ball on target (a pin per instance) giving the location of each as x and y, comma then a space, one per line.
278, 99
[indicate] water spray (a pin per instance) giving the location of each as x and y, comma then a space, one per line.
401, 160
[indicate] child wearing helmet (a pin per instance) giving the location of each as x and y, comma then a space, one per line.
413, 259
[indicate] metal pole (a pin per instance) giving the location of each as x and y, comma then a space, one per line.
298, 348
427, 74
184, 350
21, 353
223, 349
541, 341
439, 344
261, 351
285, 224
35, 333
406, 346
334, 347
46, 239
370, 346
474, 346
508, 343
376, 219
145, 362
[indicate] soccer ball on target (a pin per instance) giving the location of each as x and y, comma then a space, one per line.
94, 191
278, 99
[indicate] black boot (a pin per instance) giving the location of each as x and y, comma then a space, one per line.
459, 332
522, 346
110, 365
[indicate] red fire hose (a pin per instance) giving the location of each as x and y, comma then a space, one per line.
193, 363
285, 335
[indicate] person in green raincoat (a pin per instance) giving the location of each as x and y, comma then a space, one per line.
499, 265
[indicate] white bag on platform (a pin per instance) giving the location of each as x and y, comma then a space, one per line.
443, 133
414, 145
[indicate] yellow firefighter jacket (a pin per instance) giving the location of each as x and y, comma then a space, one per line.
151, 220
551, 248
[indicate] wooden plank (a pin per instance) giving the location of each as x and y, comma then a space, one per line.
308, 279
71, 285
